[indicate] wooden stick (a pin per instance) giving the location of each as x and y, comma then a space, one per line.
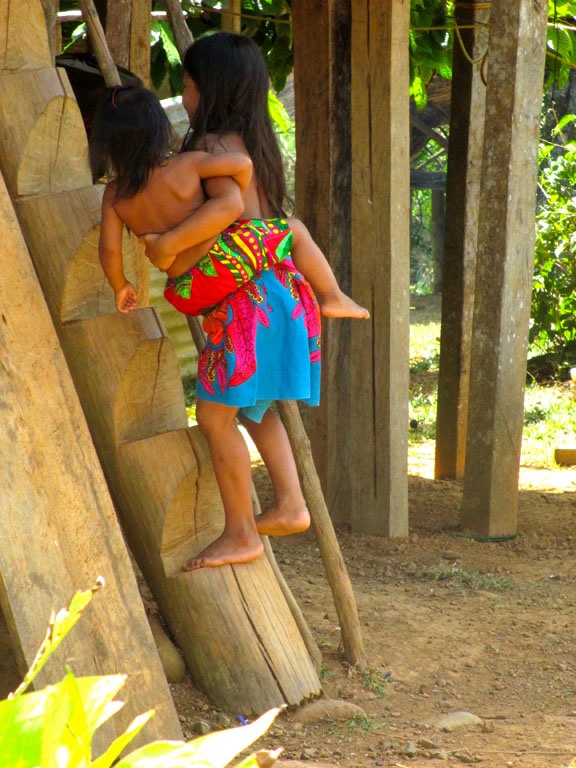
98, 40
182, 35
328, 545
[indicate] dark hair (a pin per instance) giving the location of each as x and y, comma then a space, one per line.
232, 80
130, 136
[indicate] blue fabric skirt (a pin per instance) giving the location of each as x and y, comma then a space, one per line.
263, 344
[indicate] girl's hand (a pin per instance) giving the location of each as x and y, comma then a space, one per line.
126, 298
155, 253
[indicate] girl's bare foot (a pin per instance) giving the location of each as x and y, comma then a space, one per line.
340, 305
226, 550
282, 521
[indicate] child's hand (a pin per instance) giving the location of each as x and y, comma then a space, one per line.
157, 256
126, 298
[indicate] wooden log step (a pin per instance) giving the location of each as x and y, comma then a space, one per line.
62, 232
44, 147
24, 37
59, 529
565, 456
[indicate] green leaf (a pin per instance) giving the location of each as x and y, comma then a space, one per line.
66, 739
60, 625
279, 116
21, 723
170, 49
96, 694
214, 750
118, 745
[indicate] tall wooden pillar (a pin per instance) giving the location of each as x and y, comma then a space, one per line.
505, 265
323, 169
461, 234
380, 266
231, 18
127, 27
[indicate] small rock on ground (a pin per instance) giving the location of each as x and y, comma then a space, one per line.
325, 709
454, 720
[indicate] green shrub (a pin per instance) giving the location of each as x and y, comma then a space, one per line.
53, 727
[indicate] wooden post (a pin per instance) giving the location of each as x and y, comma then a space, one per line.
118, 25
323, 178
504, 267
437, 227
380, 267
461, 233
99, 42
50, 11
140, 40
232, 20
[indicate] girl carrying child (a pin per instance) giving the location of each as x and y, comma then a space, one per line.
260, 315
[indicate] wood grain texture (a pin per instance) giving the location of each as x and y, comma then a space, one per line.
43, 147
461, 235
57, 516
23, 45
323, 179
380, 267
232, 624
504, 266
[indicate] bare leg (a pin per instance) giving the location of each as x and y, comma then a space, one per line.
289, 513
240, 542
310, 260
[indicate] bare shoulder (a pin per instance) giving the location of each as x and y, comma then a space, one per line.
109, 194
229, 142
299, 229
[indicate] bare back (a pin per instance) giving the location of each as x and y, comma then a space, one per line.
173, 192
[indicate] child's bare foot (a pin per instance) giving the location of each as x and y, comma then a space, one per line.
340, 305
226, 550
282, 521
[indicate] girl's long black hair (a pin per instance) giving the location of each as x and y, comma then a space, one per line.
130, 136
230, 74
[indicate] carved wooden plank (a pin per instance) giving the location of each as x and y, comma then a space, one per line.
140, 40
504, 266
59, 527
380, 267
23, 36
43, 147
461, 234
167, 497
74, 284
323, 170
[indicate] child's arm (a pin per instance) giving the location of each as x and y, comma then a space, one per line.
110, 254
224, 205
309, 259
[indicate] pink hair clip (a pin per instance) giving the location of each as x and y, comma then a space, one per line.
114, 96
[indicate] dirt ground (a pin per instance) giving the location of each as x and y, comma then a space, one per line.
450, 624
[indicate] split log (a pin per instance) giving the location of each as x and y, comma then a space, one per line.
98, 41
232, 624
24, 40
43, 147
59, 527
74, 284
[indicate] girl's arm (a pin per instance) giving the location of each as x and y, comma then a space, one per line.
224, 205
110, 254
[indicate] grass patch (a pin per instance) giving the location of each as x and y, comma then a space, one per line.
376, 681
472, 580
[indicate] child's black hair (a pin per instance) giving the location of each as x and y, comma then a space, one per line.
130, 136
232, 80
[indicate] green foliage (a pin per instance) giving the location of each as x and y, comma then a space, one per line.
554, 291
54, 727
430, 49
560, 42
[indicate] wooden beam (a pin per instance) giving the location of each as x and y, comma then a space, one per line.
380, 267
118, 30
231, 18
504, 266
437, 230
460, 238
140, 39
51, 8
182, 35
323, 179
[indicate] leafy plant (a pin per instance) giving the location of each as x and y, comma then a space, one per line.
53, 728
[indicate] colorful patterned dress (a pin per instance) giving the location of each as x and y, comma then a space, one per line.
261, 318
